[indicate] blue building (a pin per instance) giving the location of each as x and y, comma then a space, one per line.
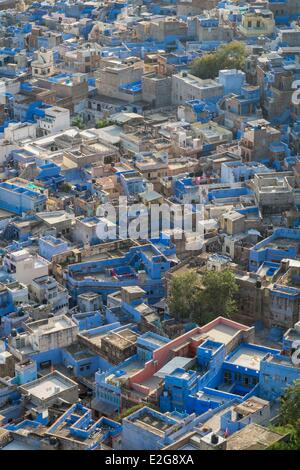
147, 429
108, 391
239, 108
215, 379
236, 172
18, 199
232, 81
77, 359
143, 265
10, 401
76, 429
88, 320
281, 369
49, 176
89, 302
132, 182
50, 246
25, 372
187, 191
197, 110
6, 301
283, 243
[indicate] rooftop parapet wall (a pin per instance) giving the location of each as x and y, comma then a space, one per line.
190, 341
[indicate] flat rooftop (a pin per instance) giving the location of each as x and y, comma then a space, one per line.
18, 445
252, 437
281, 243
48, 386
121, 339
56, 217
175, 363
247, 357
79, 351
130, 369
250, 406
222, 333
154, 423
51, 325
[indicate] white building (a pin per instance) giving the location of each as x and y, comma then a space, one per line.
49, 389
46, 289
8, 85
188, 87
16, 132
56, 119
26, 267
90, 230
43, 335
43, 65
13, 135
19, 292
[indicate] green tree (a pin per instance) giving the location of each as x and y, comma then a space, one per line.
289, 418
290, 405
66, 187
205, 67
233, 55
202, 299
184, 291
292, 442
77, 121
217, 297
227, 56
102, 123
132, 409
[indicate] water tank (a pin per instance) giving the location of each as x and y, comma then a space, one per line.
214, 439
53, 441
181, 138
196, 144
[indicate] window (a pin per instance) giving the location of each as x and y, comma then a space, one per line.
227, 377
246, 380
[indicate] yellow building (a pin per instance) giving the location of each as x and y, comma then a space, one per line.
257, 23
